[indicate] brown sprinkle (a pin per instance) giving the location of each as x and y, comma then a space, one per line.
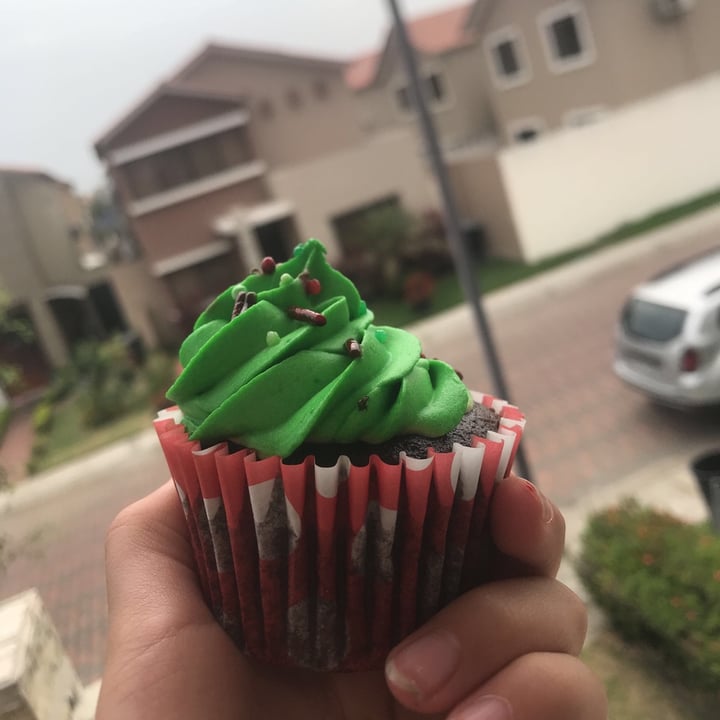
362, 403
353, 348
307, 315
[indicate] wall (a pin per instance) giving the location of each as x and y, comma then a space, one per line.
636, 56
577, 184
186, 225
463, 115
479, 193
291, 134
390, 163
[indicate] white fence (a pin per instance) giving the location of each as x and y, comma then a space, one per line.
579, 183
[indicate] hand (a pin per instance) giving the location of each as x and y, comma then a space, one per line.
508, 647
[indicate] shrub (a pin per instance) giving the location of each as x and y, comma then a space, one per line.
42, 416
5, 414
658, 579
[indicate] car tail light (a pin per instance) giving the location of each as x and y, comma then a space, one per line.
690, 361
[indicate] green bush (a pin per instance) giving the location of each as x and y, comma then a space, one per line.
658, 579
5, 414
42, 416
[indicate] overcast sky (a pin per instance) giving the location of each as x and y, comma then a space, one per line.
70, 68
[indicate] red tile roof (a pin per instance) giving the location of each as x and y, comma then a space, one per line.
430, 35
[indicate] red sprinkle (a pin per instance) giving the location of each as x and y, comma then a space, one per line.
307, 315
313, 286
268, 265
353, 348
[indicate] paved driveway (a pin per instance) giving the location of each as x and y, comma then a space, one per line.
555, 336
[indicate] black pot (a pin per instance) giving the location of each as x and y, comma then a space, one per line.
706, 469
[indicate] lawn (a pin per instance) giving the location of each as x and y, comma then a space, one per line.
494, 273
638, 687
68, 439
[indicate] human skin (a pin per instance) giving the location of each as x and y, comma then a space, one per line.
505, 651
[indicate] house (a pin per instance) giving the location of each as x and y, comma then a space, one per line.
499, 74
510, 70
44, 238
241, 154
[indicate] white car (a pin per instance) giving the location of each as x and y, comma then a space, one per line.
668, 337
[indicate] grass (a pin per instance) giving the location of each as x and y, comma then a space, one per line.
495, 273
5, 414
68, 439
638, 687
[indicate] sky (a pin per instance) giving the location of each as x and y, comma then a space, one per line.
70, 68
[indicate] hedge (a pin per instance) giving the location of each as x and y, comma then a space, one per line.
658, 580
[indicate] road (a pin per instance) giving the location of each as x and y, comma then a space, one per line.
555, 339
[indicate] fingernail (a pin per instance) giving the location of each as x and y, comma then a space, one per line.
547, 507
424, 666
490, 707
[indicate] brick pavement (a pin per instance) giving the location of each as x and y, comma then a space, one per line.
585, 430
585, 427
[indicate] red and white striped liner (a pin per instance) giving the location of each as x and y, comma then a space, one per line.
328, 568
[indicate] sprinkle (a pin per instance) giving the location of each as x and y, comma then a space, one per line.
239, 303
423, 356
306, 315
244, 301
268, 265
236, 291
304, 276
285, 279
353, 348
272, 338
459, 374
255, 271
381, 335
362, 403
363, 307
313, 286
298, 249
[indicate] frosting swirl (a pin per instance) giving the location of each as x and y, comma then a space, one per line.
291, 355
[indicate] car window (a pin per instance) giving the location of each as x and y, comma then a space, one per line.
653, 322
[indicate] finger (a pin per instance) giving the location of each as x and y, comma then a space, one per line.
528, 531
477, 635
149, 562
540, 686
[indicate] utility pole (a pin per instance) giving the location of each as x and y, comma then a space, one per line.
461, 258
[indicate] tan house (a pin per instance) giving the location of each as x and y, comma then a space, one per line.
510, 70
500, 73
242, 154
44, 237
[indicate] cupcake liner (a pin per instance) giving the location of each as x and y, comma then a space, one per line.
329, 568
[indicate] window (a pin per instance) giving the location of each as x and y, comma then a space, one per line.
435, 87
435, 90
185, 163
526, 129
265, 109
580, 117
293, 99
403, 98
567, 39
321, 89
505, 51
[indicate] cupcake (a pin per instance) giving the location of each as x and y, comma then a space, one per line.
335, 480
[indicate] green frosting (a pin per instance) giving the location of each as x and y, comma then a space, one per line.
270, 381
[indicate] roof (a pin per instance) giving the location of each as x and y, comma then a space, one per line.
33, 172
686, 284
257, 54
432, 34
175, 85
161, 90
